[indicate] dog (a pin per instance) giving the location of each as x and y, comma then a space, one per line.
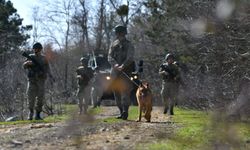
144, 98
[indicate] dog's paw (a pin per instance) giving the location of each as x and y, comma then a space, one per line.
138, 120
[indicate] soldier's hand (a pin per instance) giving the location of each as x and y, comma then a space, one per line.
116, 66
27, 64
79, 77
120, 67
165, 73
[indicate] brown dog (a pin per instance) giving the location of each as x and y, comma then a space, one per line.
144, 99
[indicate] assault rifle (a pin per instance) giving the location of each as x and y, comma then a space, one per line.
34, 61
37, 64
170, 75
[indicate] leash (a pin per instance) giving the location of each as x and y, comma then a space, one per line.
130, 79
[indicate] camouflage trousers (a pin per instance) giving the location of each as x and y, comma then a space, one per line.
35, 93
83, 95
169, 93
96, 95
122, 87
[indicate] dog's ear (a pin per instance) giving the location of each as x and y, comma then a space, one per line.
147, 85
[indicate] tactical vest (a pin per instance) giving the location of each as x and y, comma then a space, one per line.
36, 71
85, 73
172, 71
119, 54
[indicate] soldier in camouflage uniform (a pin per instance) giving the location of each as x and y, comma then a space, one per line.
84, 75
37, 76
120, 57
170, 83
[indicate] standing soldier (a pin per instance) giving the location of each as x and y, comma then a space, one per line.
120, 57
170, 84
38, 69
84, 75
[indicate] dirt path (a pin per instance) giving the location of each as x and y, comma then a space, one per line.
83, 133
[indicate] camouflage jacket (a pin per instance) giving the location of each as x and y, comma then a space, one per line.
172, 72
40, 71
84, 75
121, 53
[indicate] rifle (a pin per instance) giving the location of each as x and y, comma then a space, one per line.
36, 63
171, 75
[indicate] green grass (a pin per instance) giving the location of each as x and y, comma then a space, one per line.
197, 130
67, 111
133, 113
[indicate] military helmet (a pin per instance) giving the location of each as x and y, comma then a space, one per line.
169, 55
37, 46
120, 29
84, 60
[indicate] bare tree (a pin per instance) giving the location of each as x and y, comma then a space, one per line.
80, 19
57, 23
100, 25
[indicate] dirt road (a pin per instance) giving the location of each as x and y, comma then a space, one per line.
85, 132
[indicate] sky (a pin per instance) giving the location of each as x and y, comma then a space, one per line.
24, 9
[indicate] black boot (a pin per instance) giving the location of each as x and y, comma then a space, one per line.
121, 111
125, 113
165, 110
30, 116
171, 110
38, 117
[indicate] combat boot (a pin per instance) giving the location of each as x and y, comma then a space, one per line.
121, 112
125, 113
30, 116
171, 110
165, 110
38, 117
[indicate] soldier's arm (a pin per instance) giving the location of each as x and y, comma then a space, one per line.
46, 66
111, 60
178, 75
47, 69
130, 55
78, 73
27, 64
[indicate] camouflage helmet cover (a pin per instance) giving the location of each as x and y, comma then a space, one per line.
83, 60
169, 55
120, 29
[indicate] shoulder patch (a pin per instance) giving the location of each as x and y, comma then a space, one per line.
80, 67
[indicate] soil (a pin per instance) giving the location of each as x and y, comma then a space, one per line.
84, 132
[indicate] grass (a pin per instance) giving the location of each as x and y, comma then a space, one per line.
67, 111
195, 129
198, 130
